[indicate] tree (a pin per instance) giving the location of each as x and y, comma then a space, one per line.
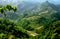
6, 26
5, 8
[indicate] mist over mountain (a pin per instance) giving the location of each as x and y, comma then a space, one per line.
31, 6
36, 7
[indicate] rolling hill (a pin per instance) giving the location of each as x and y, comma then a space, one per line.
32, 21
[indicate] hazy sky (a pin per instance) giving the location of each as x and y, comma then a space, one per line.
53, 1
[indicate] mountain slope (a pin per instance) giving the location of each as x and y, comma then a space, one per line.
43, 15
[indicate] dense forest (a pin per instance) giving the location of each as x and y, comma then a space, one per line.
37, 21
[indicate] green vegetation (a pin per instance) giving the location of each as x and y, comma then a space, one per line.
44, 24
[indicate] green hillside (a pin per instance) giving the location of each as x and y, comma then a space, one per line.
39, 22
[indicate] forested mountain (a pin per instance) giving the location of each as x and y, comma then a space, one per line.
35, 8
40, 21
29, 20
43, 12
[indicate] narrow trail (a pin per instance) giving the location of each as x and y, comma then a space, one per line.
39, 27
32, 33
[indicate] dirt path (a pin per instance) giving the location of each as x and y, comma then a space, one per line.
32, 33
39, 27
